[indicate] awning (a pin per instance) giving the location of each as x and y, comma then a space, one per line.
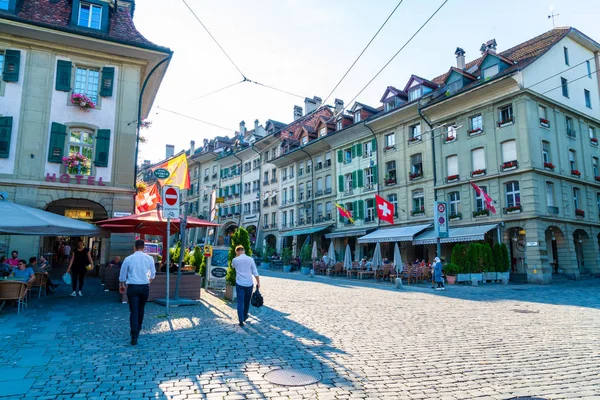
399, 234
339, 234
307, 231
461, 234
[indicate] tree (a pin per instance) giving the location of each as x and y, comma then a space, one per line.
497, 254
306, 254
197, 260
475, 256
505, 265
459, 257
239, 237
488, 258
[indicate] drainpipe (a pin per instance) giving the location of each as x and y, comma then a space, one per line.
259, 191
241, 185
139, 124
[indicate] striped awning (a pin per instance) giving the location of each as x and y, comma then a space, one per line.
455, 235
307, 231
398, 234
348, 233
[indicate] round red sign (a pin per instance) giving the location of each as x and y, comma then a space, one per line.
171, 196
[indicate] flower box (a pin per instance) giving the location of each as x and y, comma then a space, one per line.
509, 165
481, 213
544, 123
389, 182
389, 148
576, 173
82, 101
455, 217
414, 139
513, 209
579, 212
549, 166
415, 176
478, 172
473, 132
76, 164
597, 178
594, 141
415, 213
450, 139
452, 178
505, 122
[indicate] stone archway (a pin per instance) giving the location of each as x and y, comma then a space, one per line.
271, 241
226, 232
584, 252
557, 249
515, 237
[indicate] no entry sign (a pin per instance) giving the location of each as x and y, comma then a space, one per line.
171, 202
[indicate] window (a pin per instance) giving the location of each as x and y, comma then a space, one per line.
452, 165
550, 194
304, 140
284, 196
506, 114
206, 172
291, 217
569, 124
319, 162
576, 198
588, 99
301, 192
291, 200
86, 82
390, 141
328, 209
390, 172
509, 151
320, 185
284, 218
565, 87
592, 132
393, 198
369, 181
357, 116
339, 125
274, 218
416, 164
390, 105
490, 71
454, 201
1, 54
328, 184
418, 199
572, 160
476, 123
273, 175
266, 177
370, 207
90, 15
347, 156
81, 142
451, 132
367, 149
546, 158
478, 159
327, 159
595, 166
348, 182
589, 69
566, 52
323, 131
215, 169
513, 196
479, 199
415, 132
246, 208
598, 202
454, 86
542, 113
320, 210
414, 94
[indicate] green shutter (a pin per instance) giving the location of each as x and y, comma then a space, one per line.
359, 149
63, 75
58, 135
108, 77
355, 212
221, 191
340, 183
374, 173
361, 209
227, 191
102, 148
354, 180
12, 62
360, 178
340, 156
353, 151
5, 135
374, 144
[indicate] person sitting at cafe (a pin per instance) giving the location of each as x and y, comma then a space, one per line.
369, 264
24, 272
5, 269
33, 264
14, 260
115, 263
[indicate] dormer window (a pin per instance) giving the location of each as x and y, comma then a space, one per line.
339, 125
357, 116
414, 94
323, 131
490, 71
390, 105
90, 15
305, 140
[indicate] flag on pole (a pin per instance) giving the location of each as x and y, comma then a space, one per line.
486, 198
385, 209
178, 169
344, 213
148, 199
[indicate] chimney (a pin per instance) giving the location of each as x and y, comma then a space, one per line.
318, 101
339, 106
192, 147
489, 46
170, 150
460, 58
297, 112
256, 126
309, 105
242, 128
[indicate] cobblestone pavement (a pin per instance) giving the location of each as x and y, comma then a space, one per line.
367, 340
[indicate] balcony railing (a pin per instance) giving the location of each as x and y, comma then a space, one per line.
327, 163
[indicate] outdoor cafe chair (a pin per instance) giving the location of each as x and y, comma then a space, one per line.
41, 280
13, 291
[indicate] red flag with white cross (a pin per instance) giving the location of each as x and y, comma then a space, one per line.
385, 209
486, 198
147, 200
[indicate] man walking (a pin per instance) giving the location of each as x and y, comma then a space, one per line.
245, 268
137, 273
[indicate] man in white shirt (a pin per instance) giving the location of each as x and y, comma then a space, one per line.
245, 269
137, 272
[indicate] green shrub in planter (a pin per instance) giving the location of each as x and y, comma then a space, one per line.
504, 264
286, 256
239, 237
269, 251
306, 255
475, 257
451, 269
197, 259
488, 258
459, 258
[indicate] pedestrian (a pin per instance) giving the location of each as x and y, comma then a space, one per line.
80, 259
437, 274
245, 268
137, 272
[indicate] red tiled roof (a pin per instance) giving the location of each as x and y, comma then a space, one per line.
308, 122
56, 14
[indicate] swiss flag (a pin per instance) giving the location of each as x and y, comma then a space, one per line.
147, 200
385, 209
487, 199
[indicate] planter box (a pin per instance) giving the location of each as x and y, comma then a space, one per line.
463, 278
305, 270
503, 276
489, 276
287, 268
189, 287
230, 293
514, 212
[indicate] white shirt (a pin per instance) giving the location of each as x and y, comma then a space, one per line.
137, 269
67, 250
244, 269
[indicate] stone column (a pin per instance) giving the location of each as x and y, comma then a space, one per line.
538, 263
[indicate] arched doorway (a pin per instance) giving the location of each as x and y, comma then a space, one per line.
555, 240
228, 230
584, 250
517, 247
271, 241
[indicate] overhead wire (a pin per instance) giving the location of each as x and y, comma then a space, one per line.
216, 91
195, 119
274, 88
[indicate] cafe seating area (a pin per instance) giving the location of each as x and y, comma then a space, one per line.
410, 274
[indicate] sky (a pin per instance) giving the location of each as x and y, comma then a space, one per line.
305, 46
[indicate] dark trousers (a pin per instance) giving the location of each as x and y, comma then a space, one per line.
137, 296
77, 277
244, 293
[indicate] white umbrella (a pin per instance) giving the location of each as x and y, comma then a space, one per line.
399, 266
348, 258
18, 219
331, 255
377, 257
314, 254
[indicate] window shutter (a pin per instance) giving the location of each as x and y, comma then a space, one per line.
340, 183
374, 173
63, 75
359, 149
227, 191
355, 212
340, 156
12, 62
361, 208
360, 178
374, 144
221, 191
452, 164
5, 135
353, 151
108, 77
58, 135
509, 151
102, 148
354, 180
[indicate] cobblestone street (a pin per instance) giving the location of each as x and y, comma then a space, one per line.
367, 340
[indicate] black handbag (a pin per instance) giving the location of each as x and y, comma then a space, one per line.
256, 300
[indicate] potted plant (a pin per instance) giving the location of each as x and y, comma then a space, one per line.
76, 164
575, 172
82, 101
478, 172
286, 257
474, 131
451, 178
451, 270
305, 259
239, 237
579, 212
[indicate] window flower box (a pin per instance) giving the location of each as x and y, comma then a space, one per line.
76, 164
82, 101
390, 181
416, 213
229, 215
597, 178
452, 178
389, 148
544, 123
506, 122
478, 172
579, 212
549, 166
481, 213
415, 175
473, 132
576, 173
594, 141
414, 139
455, 217
509, 165
450, 139
513, 209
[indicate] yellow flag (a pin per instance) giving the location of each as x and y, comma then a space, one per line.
178, 169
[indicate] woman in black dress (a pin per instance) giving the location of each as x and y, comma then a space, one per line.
80, 259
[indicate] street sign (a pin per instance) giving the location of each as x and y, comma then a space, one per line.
441, 219
161, 173
220, 200
171, 202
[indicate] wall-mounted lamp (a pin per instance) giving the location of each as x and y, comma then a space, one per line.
579, 239
514, 239
553, 237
